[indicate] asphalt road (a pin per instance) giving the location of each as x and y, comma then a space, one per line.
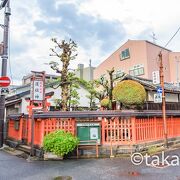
14, 168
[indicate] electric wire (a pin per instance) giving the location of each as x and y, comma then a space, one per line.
171, 38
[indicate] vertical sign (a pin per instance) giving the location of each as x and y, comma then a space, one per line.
156, 77
157, 98
37, 90
37, 93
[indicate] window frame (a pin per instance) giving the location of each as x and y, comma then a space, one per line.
125, 56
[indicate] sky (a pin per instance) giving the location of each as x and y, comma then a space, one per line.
98, 27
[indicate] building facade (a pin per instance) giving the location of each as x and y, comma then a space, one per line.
85, 73
140, 58
16, 101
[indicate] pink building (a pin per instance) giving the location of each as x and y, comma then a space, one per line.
140, 58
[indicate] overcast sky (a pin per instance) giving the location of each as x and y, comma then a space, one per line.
99, 27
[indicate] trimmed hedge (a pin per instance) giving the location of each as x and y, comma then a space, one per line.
105, 102
60, 142
129, 93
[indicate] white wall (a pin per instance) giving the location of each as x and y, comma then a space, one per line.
84, 101
169, 97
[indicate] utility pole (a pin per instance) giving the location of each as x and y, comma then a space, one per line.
163, 100
177, 70
7, 13
154, 37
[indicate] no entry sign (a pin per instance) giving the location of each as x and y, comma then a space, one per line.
4, 81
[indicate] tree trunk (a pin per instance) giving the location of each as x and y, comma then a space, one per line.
111, 88
64, 95
65, 85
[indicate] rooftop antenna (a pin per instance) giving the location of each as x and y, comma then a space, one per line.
153, 36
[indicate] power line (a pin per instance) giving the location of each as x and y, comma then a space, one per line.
172, 37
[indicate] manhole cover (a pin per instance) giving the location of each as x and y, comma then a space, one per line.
63, 178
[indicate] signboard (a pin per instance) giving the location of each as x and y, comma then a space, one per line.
158, 98
89, 133
87, 124
37, 90
156, 77
93, 133
4, 81
4, 91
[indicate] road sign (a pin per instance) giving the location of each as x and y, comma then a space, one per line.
155, 77
4, 81
159, 90
157, 98
4, 90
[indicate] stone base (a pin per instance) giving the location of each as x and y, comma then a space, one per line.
52, 156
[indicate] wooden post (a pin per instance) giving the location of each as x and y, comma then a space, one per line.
155, 128
77, 150
133, 123
20, 129
42, 132
97, 151
163, 100
111, 156
103, 130
32, 134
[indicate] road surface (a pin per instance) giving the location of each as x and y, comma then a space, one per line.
15, 168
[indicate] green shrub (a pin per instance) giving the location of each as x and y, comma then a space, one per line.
60, 142
105, 102
129, 93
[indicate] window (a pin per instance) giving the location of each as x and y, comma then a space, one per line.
125, 54
137, 70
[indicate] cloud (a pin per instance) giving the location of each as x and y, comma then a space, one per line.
82, 27
99, 27
139, 16
86, 30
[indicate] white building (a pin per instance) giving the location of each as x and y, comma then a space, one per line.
16, 101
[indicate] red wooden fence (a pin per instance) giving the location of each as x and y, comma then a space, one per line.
121, 131
116, 130
41, 128
45, 126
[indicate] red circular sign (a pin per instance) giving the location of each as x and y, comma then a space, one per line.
4, 81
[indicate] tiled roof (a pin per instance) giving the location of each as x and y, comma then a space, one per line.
148, 84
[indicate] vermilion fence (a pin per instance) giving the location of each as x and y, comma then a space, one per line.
45, 126
133, 130
117, 128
